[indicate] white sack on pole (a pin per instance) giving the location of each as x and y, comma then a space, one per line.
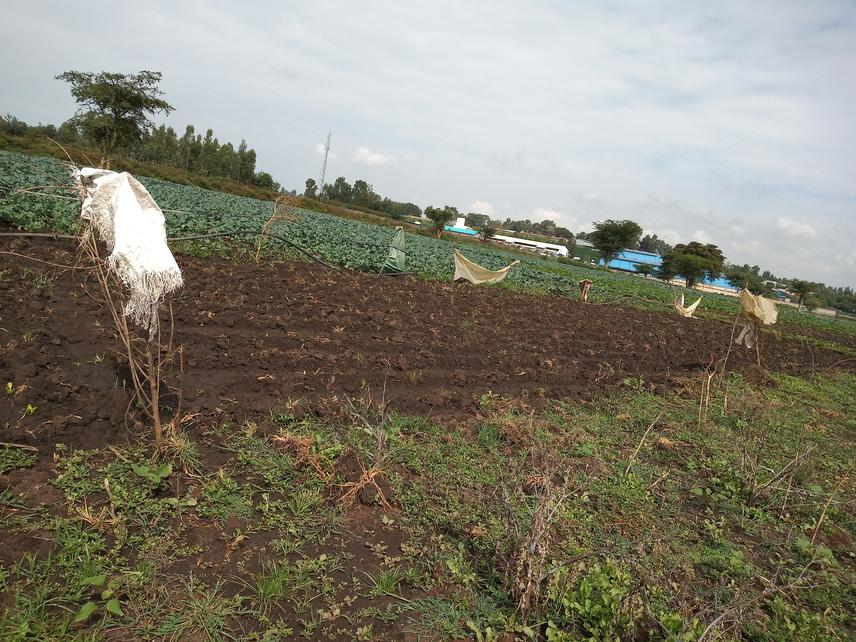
688, 310
757, 308
132, 225
757, 311
474, 273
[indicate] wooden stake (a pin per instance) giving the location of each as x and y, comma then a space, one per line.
21, 446
154, 381
642, 441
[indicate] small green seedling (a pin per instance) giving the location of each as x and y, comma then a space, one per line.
108, 598
584, 450
10, 389
489, 635
154, 476
636, 384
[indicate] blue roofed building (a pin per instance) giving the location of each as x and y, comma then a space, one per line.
460, 227
627, 261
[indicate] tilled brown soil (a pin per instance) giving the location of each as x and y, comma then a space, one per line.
256, 336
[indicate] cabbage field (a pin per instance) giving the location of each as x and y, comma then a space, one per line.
347, 243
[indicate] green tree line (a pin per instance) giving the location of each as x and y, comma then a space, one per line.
361, 194
191, 152
114, 114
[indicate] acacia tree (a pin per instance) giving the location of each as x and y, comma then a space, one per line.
694, 261
610, 237
477, 221
114, 108
441, 217
650, 243
802, 289
743, 276
690, 266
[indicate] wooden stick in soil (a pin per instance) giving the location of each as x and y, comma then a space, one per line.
728, 351
822, 518
758, 343
118, 319
180, 382
642, 441
153, 387
21, 446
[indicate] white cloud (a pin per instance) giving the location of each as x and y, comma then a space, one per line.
559, 218
794, 228
670, 236
747, 247
369, 157
702, 237
482, 207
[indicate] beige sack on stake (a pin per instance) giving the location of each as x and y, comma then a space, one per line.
474, 273
758, 311
757, 308
688, 310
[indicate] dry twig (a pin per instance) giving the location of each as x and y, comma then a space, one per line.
368, 477
642, 441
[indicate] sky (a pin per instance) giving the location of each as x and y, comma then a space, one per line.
729, 122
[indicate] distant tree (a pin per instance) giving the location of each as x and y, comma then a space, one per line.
441, 217
564, 232
265, 180
311, 190
486, 230
67, 132
694, 261
398, 210
610, 237
246, 162
11, 125
227, 161
363, 194
340, 190
690, 266
743, 276
187, 152
207, 162
517, 226
665, 272
114, 108
546, 226
476, 221
409, 209
813, 301
569, 242
650, 243
802, 289
645, 269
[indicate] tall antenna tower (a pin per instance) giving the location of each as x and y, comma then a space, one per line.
324, 166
